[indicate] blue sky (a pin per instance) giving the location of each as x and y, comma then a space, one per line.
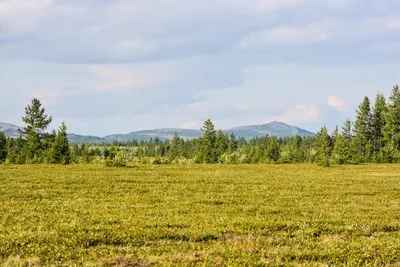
115, 66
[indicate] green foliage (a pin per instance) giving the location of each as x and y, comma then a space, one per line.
36, 122
363, 131
208, 150
391, 129
373, 137
323, 143
3, 147
341, 151
378, 122
60, 152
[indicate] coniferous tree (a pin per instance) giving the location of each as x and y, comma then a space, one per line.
273, 149
363, 132
222, 143
391, 129
340, 153
176, 148
60, 151
3, 147
208, 143
347, 131
323, 143
36, 122
296, 154
378, 122
233, 144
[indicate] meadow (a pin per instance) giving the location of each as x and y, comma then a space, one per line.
210, 215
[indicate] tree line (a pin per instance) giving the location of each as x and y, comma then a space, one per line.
374, 137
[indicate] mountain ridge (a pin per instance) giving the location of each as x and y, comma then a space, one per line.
274, 128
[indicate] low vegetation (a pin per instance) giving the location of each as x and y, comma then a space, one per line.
374, 137
216, 215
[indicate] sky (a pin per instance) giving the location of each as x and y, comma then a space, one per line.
117, 66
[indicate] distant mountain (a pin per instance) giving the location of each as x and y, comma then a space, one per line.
10, 130
273, 129
162, 134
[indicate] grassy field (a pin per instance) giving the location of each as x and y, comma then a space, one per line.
263, 215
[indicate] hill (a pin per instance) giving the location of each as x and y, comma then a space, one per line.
275, 128
10, 130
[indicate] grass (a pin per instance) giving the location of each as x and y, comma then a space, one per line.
251, 215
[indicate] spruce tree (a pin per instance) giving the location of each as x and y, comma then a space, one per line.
60, 151
208, 143
378, 122
347, 131
273, 149
3, 147
222, 143
176, 148
340, 153
391, 129
323, 143
363, 131
233, 144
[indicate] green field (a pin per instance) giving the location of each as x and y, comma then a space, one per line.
264, 215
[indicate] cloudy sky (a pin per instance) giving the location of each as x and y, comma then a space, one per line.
115, 66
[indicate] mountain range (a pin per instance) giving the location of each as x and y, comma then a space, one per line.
274, 128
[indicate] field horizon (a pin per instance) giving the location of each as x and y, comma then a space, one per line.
216, 215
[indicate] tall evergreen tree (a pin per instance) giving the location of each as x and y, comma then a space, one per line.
273, 149
222, 143
60, 151
208, 143
36, 122
323, 143
176, 148
391, 129
233, 144
341, 150
378, 121
363, 130
347, 131
3, 147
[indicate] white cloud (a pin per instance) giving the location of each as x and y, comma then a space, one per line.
300, 113
393, 23
263, 6
289, 34
337, 103
123, 77
190, 125
18, 17
339, 3
217, 105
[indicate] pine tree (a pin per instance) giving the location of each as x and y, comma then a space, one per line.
208, 143
233, 144
3, 147
273, 149
36, 122
363, 131
323, 147
378, 122
222, 143
334, 135
295, 149
176, 148
391, 129
60, 151
347, 131
340, 153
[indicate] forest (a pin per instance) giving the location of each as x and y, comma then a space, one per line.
374, 137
